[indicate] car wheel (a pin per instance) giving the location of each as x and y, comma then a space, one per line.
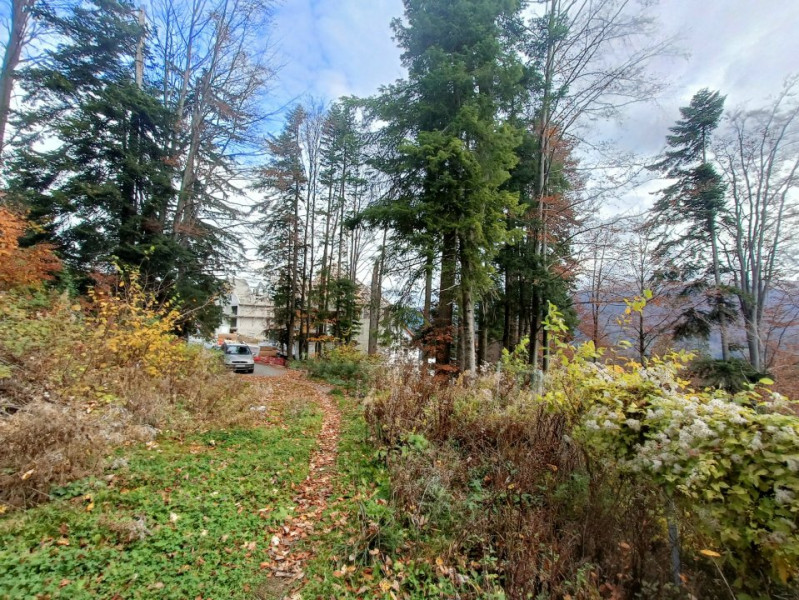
251, 370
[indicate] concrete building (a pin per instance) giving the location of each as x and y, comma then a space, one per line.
247, 311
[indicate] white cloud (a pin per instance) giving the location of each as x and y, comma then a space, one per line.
332, 48
744, 49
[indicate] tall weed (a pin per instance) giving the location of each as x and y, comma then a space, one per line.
344, 366
569, 491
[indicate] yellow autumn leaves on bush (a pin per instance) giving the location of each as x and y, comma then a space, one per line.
132, 328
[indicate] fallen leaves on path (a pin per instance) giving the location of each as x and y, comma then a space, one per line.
286, 559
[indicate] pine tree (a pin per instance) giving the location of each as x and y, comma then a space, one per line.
693, 206
283, 179
454, 151
104, 178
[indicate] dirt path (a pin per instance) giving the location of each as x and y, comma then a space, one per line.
286, 561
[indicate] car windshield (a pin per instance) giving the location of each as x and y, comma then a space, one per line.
237, 350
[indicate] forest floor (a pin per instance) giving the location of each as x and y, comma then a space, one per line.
294, 506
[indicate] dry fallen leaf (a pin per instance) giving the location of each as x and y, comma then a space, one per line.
710, 553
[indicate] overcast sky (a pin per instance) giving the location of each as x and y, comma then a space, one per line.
745, 49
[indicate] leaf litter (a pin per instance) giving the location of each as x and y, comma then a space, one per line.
287, 556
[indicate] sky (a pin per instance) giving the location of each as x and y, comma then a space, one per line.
743, 48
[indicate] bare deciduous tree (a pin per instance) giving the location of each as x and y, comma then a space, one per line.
214, 66
593, 56
760, 161
19, 30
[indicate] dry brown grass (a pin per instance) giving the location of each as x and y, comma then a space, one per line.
498, 472
65, 398
52, 442
45, 444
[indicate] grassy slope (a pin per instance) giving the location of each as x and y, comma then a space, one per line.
200, 532
216, 485
367, 550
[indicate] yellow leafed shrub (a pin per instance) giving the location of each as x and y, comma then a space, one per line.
133, 329
79, 376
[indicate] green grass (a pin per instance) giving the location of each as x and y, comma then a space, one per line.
217, 484
182, 520
368, 541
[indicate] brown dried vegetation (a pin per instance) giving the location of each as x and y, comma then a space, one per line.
77, 378
487, 464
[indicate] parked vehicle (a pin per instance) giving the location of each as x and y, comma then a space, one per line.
238, 357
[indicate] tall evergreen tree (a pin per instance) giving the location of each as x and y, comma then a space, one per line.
692, 207
103, 177
284, 180
455, 150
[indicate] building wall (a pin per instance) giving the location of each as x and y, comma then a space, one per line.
245, 312
254, 312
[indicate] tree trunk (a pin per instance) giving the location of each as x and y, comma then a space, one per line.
428, 288
725, 345
753, 337
426, 308
324, 283
18, 27
469, 358
545, 350
374, 305
535, 321
542, 183
516, 326
446, 296
311, 248
506, 317
641, 340
185, 194
459, 351
294, 269
482, 334
341, 218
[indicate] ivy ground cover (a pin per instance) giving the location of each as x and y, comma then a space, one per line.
180, 518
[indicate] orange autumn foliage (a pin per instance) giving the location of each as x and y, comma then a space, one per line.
22, 266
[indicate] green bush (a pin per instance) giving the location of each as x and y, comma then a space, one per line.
734, 375
344, 366
584, 477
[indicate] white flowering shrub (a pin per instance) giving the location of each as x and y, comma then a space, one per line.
731, 462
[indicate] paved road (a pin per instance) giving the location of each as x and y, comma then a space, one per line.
269, 370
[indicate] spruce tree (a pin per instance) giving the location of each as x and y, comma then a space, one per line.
101, 179
689, 210
454, 150
283, 179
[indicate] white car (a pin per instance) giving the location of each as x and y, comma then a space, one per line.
238, 357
